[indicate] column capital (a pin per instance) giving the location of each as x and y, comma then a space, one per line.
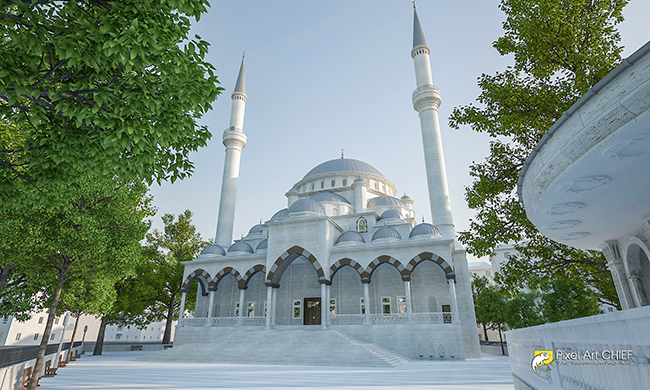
271, 284
243, 287
451, 276
406, 278
325, 282
365, 280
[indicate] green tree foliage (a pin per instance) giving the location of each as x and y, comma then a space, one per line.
560, 49
522, 310
112, 88
90, 237
566, 299
489, 305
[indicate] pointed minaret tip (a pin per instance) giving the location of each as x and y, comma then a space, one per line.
418, 35
240, 86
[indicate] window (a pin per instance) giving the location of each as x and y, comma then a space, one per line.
119, 328
237, 309
18, 336
362, 305
118, 336
488, 274
401, 305
297, 309
127, 336
136, 337
40, 321
345, 182
251, 309
385, 305
332, 307
36, 336
56, 320
376, 185
333, 183
4, 320
52, 336
312, 186
362, 225
322, 184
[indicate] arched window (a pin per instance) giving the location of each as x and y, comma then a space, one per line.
322, 184
333, 183
345, 182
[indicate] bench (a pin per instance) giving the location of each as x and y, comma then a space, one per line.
136, 348
62, 363
167, 346
77, 355
49, 370
27, 373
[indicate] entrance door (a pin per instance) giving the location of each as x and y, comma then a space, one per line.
312, 311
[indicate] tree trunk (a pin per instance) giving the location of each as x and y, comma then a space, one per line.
74, 332
4, 275
48, 329
168, 325
503, 352
99, 344
485, 332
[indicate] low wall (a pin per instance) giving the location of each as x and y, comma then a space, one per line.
11, 376
589, 353
126, 347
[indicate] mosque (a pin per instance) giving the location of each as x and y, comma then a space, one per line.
346, 255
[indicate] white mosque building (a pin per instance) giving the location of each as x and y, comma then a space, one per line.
346, 255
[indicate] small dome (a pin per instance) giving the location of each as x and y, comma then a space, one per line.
424, 229
263, 245
280, 214
213, 249
391, 214
386, 232
240, 246
350, 236
256, 229
328, 197
405, 197
306, 205
385, 201
359, 180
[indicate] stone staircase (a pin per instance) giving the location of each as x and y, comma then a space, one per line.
284, 346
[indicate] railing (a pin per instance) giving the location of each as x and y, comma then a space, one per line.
194, 322
432, 318
388, 318
347, 319
253, 321
223, 321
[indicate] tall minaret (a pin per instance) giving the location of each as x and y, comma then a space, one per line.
234, 139
426, 100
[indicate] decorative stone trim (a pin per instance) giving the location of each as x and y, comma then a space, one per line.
295, 252
243, 285
386, 259
221, 274
204, 280
347, 262
431, 257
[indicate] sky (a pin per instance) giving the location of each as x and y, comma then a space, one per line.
326, 76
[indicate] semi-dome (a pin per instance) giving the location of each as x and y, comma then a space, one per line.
425, 229
385, 201
391, 214
306, 205
328, 197
256, 229
343, 165
350, 236
263, 245
386, 232
240, 246
213, 249
280, 214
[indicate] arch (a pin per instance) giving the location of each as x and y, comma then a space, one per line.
345, 262
249, 274
203, 278
275, 273
637, 268
225, 271
424, 256
406, 274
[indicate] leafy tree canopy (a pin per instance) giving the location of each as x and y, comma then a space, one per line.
560, 49
113, 88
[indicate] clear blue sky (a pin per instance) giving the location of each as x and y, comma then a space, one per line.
326, 76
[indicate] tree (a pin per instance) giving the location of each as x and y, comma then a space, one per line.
91, 234
489, 305
560, 49
567, 299
522, 310
113, 88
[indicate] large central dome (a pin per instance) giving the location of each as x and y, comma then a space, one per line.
343, 165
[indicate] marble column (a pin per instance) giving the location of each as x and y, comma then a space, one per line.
269, 299
409, 306
242, 292
182, 310
210, 304
451, 280
366, 298
274, 304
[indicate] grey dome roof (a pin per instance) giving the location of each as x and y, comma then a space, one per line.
306, 205
424, 229
213, 249
280, 214
328, 197
405, 197
386, 232
359, 180
264, 244
342, 165
256, 229
240, 246
350, 236
388, 214
385, 201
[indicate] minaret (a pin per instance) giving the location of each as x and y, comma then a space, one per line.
234, 139
426, 100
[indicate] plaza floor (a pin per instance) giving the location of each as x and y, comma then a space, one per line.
120, 371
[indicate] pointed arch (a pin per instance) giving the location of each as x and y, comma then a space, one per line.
214, 283
249, 274
424, 256
345, 262
406, 274
202, 276
277, 269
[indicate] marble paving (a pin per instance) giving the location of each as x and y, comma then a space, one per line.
120, 371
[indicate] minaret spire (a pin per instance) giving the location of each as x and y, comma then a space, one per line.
234, 139
426, 100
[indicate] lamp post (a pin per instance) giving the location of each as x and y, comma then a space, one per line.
58, 351
83, 338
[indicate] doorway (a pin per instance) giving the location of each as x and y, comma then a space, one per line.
312, 311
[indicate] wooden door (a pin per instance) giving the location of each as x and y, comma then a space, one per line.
312, 311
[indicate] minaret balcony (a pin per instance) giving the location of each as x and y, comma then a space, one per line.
426, 96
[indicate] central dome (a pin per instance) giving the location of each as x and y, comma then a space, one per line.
343, 165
